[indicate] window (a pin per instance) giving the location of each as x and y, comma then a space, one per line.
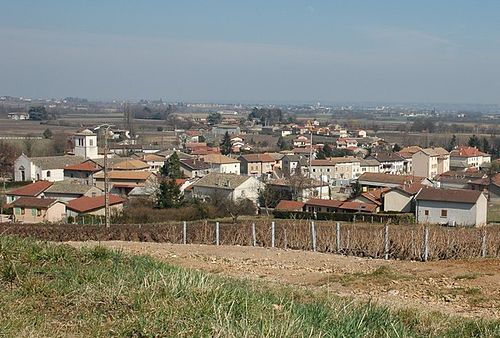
426, 212
48, 173
39, 212
18, 211
23, 211
33, 212
444, 213
91, 142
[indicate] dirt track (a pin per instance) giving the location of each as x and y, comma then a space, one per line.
460, 287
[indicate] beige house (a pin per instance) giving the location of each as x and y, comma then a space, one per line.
335, 168
123, 181
430, 162
468, 157
37, 210
402, 198
256, 164
65, 191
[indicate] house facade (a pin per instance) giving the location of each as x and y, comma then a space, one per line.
37, 210
232, 186
452, 207
430, 162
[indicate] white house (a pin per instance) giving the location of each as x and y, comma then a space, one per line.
468, 157
49, 168
452, 207
222, 164
390, 163
232, 186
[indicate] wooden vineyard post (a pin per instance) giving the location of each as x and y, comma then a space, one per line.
426, 244
254, 236
313, 235
272, 234
484, 244
217, 229
337, 237
386, 241
184, 232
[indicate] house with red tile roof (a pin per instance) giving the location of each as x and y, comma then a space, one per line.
34, 189
82, 172
37, 210
468, 157
285, 205
256, 164
322, 205
94, 205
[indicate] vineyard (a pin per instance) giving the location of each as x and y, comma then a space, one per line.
403, 242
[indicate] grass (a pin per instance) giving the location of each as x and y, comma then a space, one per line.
494, 212
56, 290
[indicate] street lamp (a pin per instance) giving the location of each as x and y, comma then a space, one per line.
106, 189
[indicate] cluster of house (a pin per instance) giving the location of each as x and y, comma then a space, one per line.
403, 181
405, 194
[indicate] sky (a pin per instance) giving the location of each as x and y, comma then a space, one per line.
445, 51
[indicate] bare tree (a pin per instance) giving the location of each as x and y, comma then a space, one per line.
8, 154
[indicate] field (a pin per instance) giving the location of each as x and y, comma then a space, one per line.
56, 290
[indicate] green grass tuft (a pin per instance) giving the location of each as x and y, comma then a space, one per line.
56, 290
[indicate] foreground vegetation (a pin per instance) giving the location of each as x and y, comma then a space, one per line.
55, 290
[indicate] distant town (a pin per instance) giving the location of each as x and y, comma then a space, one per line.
74, 160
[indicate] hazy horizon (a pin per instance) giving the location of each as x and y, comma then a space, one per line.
203, 51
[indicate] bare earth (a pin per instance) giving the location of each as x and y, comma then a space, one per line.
468, 288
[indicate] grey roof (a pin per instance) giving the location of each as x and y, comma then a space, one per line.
56, 162
368, 162
67, 187
222, 181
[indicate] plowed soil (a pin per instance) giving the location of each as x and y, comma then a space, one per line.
469, 288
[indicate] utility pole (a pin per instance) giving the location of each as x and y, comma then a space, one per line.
106, 184
310, 155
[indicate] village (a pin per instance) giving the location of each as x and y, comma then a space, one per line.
317, 170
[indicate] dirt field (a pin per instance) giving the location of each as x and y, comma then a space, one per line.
468, 288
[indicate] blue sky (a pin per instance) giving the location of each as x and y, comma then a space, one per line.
252, 51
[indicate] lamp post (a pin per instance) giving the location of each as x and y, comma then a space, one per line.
106, 189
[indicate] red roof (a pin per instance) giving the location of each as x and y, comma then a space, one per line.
86, 204
324, 203
32, 189
33, 202
358, 206
285, 205
84, 166
467, 152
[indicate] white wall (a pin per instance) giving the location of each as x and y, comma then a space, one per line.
461, 213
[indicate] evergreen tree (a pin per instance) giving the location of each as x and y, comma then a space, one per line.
172, 167
283, 144
328, 150
225, 145
474, 142
453, 143
47, 134
214, 118
396, 148
485, 145
169, 195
